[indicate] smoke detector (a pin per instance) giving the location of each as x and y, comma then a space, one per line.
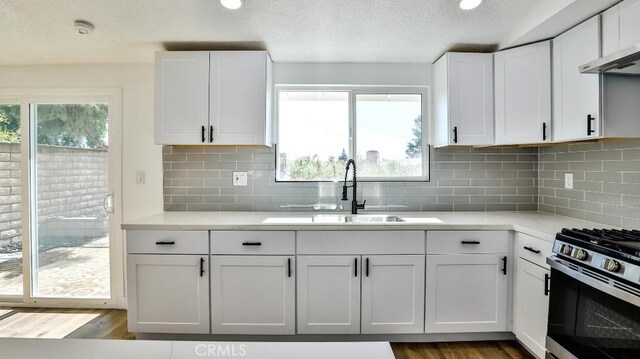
83, 27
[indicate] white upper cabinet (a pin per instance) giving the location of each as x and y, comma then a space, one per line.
463, 99
576, 96
393, 294
215, 98
239, 101
181, 97
620, 27
523, 94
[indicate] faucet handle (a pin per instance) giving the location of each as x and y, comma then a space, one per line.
361, 205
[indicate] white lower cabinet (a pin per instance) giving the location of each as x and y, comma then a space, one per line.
252, 294
531, 306
329, 294
168, 293
393, 294
467, 293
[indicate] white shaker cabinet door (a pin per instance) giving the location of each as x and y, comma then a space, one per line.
466, 293
238, 97
393, 294
531, 305
523, 94
181, 97
576, 96
168, 293
252, 295
329, 294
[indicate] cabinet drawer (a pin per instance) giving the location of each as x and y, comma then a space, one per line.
167, 242
467, 242
533, 249
253, 242
360, 242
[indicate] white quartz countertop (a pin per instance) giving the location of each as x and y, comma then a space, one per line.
537, 224
143, 349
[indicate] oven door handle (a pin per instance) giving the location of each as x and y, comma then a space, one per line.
604, 287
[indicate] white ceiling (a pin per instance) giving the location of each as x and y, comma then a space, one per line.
41, 31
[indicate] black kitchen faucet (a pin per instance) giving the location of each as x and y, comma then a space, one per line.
354, 202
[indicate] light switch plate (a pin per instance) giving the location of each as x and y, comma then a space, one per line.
568, 180
239, 178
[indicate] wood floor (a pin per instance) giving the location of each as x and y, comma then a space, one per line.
112, 324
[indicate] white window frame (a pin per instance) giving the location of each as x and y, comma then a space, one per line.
353, 91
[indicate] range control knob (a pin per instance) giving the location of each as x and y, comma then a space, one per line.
611, 265
566, 249
580, 254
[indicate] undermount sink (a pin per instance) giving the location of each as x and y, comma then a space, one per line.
363, 218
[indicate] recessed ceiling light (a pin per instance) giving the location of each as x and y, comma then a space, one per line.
469, 4
231, 4
83, 27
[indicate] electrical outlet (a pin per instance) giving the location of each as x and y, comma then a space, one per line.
568, 180
239, 178
140, 177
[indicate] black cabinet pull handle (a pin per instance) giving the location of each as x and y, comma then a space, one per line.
530, 249
547, 277
590, 129
367, 267
544, 131
289, 267
469, 242
210, 133
203, 139
201, 267
161, 243
455, 134
504, 265
251, 243
356, 267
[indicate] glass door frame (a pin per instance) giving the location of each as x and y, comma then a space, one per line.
28, 98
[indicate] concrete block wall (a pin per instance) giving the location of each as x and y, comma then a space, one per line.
71, 183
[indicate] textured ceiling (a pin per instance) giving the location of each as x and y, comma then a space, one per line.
41, 31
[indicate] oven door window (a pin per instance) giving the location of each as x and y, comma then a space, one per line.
590, 323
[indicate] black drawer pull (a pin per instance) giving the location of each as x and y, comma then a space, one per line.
469, 242
356, 267
367, 267
161, 243
251, 243
211, 134
203, 131
289, 267
504, 265
201, 267
590, 129
547, 277
544, 131
455, 134
530, 249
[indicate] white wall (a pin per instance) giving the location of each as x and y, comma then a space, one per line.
138, 150
352, 74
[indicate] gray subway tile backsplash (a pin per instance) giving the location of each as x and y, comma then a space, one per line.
604, 173
461, 179
606, 182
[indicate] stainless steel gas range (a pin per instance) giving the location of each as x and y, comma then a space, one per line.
594, 302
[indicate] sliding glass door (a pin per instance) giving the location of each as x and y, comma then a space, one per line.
70, 212
62, 184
